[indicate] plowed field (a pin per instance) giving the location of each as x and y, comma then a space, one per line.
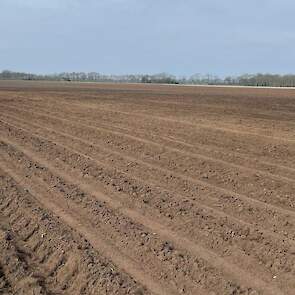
144, 189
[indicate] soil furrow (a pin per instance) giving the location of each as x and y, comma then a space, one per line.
163, 231
265, 172
267, 167
233, 195
71, 217
139, 189
226, 184
143, 114
88, 147
187, 242
62, 255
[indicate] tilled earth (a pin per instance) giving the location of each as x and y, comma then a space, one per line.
144, 189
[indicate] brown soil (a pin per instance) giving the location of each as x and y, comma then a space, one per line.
144, 189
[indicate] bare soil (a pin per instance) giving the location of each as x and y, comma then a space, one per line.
146, 189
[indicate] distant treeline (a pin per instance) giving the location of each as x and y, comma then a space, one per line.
243, 80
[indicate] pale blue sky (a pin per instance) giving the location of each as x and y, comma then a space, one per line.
148, 36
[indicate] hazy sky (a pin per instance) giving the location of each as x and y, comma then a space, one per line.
148, 36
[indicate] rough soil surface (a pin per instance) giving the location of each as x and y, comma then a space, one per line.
144, 189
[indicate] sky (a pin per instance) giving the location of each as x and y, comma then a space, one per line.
181, 37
